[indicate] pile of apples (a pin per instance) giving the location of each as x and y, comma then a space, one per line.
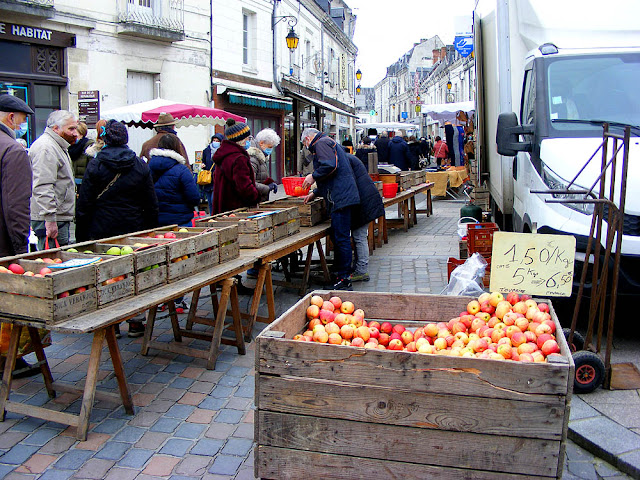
17, 269
516, 328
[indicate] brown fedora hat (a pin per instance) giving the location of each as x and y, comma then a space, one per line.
164, 120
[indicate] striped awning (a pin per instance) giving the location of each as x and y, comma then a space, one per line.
259, 101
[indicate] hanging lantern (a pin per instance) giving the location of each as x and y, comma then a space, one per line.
292, 40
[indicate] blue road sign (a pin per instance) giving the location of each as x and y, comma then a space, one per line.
405, 115
464, 45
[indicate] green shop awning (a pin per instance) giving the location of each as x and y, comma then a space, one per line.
259, 101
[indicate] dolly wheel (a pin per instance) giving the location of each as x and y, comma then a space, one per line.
578, 340
589, 371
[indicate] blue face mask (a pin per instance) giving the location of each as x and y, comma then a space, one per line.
215, 144
267, 151
21, 130
247, 145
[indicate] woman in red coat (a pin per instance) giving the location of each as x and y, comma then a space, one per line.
234, 184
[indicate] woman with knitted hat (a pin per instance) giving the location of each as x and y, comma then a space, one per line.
233, 179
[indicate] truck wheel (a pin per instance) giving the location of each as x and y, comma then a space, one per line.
578, 340
589, 371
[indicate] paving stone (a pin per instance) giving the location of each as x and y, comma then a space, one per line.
191, 398
18, 454
38, 463
213, 403
110, 425
113, 450
583, 470
144, 419
73, 459
210, 376
28, 425
239, 403
94, 441
202, 387
95, 468
244, 430
189, 430
201, 415
180, 411
9, 439
171, 393
229, 416
164, 378
193, 465
610, 436
56, 474
225, 465
177, 447
175, 367
166, 425
159, 406
129, 434
5, 470
58, 445
244, 474
246, 391
182, 383
238, 446
143, 399
192, 372
135, 458
152, 440
117, 473
161, 466
220, 430
207, 446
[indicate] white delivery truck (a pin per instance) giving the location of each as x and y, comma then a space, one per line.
563, 68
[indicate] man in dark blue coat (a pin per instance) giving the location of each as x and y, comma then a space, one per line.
370, 208
382, 147
399, 152
336, 183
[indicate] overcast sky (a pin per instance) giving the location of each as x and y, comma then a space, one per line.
386, 29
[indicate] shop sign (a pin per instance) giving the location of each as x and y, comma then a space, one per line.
24, 33
89, 107
343, 71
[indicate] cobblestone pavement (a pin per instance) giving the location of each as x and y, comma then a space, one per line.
191, 423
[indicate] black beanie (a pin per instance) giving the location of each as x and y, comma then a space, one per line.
115, 134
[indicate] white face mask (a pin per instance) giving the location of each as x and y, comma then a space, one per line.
215, 144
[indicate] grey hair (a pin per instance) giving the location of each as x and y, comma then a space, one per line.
384, 133
59, 118
268, 135
309, 132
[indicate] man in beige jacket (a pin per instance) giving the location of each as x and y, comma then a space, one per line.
53, 201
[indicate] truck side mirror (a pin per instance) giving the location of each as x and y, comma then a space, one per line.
508, 135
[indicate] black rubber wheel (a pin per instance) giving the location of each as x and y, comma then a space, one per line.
589, 371
578, 340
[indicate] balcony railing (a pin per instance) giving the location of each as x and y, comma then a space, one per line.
39, 8
162, 19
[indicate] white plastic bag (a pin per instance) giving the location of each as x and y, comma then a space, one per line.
467, 279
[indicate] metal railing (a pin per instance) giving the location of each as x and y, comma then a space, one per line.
164, 14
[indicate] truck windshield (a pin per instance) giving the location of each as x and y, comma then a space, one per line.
594, 88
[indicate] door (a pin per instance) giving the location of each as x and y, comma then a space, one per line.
139, 89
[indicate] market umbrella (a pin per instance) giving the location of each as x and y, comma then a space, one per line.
190, 115
131, 115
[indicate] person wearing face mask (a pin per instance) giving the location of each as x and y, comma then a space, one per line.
262, 146
15, 182
207, 164
234, 183
77, 152
54, 190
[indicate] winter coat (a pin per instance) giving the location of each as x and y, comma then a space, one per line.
234, 183
79, 156
363, 152
332, 173
382, 146
261, 172
207, 164
153, 143
370, 206
15, 192
414, 155
441, 150
54, 186
126, 205
175, 187
399, 153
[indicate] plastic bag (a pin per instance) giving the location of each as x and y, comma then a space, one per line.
466, 280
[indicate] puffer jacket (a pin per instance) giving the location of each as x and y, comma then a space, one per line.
332, 173
128, 205
79, 156
399, 153
363, 152
234, 184
370, 206
175, 187
54, 186
261, 172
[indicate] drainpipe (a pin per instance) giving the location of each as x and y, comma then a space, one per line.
211, 49
276, 80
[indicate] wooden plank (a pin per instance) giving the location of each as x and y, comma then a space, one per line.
113, 267
288, 464
406, 407
426, 373
99, 395
229, 251
116, 291
393, 443
181, 269
90, 384
255, 240
207, 259
43, 413
151, 278
280, 231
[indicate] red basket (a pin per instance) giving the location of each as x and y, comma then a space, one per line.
290, 184
480, 238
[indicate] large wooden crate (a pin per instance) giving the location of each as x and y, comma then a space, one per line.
310, 214
335, 412
285, 219
50, 299
252, 232
180, 252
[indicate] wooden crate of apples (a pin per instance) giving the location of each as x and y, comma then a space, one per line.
353, 384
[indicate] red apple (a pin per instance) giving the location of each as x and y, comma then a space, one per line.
373, 332
383, 339
15, 268
312, 311
386, 327
473, 307
326, 305
337, 302
347, 307
169, 235
543, 338
513, 298
549, 347
395, 344
398, 328
317, 300
357, 342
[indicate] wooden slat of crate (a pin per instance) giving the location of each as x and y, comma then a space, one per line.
202, 238
288, 464
151, 278
207, 259
48, 310
280, 215
433, 447
116, 291
310, 214
174, 248
245, 225
177, 270
464, 252
279, 231
229, 250
293, 226
256, 240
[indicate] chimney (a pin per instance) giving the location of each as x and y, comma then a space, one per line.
443, 53
436, 55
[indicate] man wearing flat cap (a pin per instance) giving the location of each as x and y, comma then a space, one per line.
15, 178
53, 202
165, 124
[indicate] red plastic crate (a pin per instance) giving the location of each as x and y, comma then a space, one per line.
453, 262
290, 183
480, 238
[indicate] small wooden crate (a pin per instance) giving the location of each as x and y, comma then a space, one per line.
310, 214
405, 180
52, 298
285, 220
347, 412
252, 232
206, 243
180, 253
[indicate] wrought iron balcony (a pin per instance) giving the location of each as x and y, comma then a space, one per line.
38, 8
157, 19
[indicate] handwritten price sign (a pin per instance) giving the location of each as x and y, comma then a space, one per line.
532, 263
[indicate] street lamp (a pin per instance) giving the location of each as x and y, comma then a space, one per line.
358, 89
358, 75
449, 85
292, 39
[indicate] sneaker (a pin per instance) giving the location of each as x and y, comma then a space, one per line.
136, 329
163, 307
244, 290
116, 328
359, 277
252, 273
182, 307
341, 284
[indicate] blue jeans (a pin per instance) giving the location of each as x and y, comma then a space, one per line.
362, 249
341, 238
40, 231
210, 201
